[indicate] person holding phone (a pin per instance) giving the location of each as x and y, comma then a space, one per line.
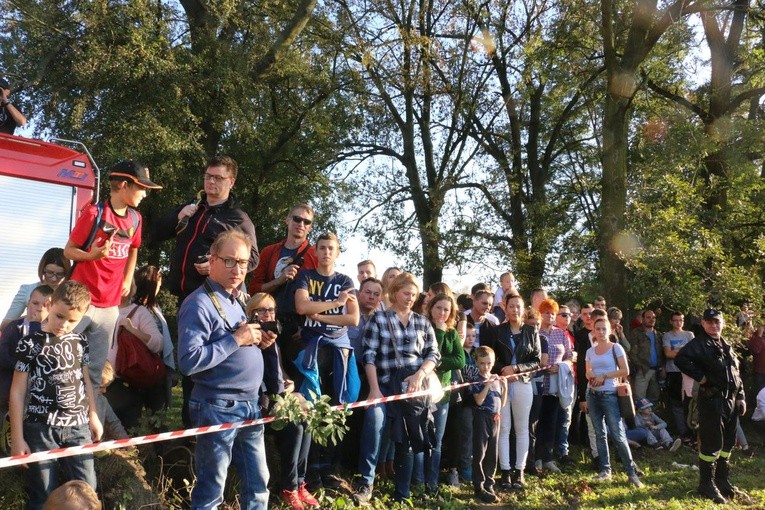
10, 116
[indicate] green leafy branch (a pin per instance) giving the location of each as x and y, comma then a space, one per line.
324, 423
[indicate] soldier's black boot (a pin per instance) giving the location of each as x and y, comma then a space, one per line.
707, 487
727, 489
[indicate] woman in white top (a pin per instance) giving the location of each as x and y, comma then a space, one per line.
606, 362
51, 271
149, 325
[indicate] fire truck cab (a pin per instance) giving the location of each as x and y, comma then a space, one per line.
43, 188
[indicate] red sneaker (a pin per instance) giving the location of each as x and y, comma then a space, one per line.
292, 499
306, 496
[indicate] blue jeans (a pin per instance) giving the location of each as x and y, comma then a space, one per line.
430, 465
371, 435
639, 435
43, 476
243, 447
293, 443
604, 411
404, 462
563, 424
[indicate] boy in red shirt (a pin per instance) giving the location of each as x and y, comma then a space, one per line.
107, 264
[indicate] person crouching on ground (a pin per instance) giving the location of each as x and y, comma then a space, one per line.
655, 428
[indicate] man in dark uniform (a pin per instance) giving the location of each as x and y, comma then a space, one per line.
710, 361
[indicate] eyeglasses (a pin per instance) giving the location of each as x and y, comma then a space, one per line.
217, 179
53, 275
300, 219
264, 310
229, 263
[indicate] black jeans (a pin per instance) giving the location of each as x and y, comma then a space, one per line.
485, 442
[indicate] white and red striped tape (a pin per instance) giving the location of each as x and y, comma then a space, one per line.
176, 434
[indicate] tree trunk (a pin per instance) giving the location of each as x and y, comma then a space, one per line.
613, 201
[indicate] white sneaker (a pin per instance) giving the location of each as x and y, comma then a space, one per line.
603, 476
634, 480
677, 443
551, 466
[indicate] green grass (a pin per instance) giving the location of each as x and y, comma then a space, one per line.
666, 488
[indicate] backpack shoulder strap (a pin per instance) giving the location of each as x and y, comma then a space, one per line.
135, 217
100, 206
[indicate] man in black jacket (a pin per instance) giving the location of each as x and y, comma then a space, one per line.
710, 360
198, 223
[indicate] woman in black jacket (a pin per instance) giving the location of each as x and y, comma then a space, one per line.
518, 352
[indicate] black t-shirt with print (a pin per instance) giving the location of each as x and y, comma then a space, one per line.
55, 365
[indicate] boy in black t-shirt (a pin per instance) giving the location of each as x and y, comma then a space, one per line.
61, 411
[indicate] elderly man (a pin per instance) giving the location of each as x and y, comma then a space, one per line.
711, 361
221, 353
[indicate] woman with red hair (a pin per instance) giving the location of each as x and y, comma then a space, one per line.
556, 349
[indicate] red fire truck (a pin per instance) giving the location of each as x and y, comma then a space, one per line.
43, 188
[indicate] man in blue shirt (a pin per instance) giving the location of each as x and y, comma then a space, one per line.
221, 353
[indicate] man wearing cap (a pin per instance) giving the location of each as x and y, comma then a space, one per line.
710, 361
103, 247
10, 116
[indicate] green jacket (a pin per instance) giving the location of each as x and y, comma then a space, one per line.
640, 350
452, 355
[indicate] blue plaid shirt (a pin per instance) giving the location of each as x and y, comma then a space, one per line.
415, 343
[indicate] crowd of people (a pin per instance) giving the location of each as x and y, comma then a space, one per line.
535, 370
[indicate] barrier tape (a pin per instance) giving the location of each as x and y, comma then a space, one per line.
71, 451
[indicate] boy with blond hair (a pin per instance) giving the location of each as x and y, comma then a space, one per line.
73, 495
51, 375
489, 393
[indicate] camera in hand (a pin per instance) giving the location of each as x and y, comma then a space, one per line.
273, 326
